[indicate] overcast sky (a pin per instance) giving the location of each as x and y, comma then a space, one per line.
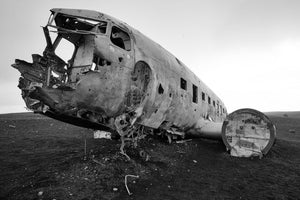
246, 51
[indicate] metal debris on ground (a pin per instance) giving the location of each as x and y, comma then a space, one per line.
102, 134
134, 176
98, 162
144, 155
183, 141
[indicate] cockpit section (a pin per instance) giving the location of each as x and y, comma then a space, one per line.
75, 40
84, 71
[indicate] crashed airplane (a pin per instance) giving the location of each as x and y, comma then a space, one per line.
120, 81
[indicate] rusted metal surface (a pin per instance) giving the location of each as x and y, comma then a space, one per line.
116, 79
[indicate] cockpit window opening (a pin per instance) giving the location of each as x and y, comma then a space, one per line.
203, 96
88, 21
120, 38
74, 23
72, 28
209, 100
65, 49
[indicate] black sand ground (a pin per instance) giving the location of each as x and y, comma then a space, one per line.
41, 158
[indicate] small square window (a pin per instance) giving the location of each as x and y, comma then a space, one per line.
183, 84
120, 38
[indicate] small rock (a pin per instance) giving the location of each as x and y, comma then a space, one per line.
115, 189
195, 161
40, 193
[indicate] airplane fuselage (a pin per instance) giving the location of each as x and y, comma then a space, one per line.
116, 78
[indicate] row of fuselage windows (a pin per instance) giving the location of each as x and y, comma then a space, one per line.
183, 85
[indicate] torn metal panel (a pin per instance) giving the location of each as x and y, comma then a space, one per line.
88, 86
83, 58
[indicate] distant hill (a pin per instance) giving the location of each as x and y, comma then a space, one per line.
23, 115
288, 114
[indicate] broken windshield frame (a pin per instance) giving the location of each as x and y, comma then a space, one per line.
72, 27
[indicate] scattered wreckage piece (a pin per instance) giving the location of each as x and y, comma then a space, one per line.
116, 79
125, 182
102, 134
248, 132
